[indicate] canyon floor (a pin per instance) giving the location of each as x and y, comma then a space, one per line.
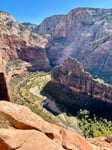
26, 91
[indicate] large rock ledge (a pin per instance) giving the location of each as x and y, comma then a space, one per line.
32, 132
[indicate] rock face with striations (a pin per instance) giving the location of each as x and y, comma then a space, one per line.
16, 42
84, 33
71, 73
77, 89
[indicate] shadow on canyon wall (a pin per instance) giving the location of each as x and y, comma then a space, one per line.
36, 57
3, 88
73, 102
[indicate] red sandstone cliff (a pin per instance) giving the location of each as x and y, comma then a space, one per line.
76, 89
71, 73
18, 43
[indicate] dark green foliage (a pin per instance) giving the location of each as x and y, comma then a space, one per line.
93, 127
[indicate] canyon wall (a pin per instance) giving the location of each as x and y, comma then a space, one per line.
71, 73
77, 89
85, 34
20, 51
16, 42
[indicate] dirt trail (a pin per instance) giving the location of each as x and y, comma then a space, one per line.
35, 91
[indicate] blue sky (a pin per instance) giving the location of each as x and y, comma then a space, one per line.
36, 10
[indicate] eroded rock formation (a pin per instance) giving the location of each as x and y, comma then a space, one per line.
71, 73
30, 131
76, 89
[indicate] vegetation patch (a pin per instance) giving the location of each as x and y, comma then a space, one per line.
22, 93
93, 126
25, 89
101, 81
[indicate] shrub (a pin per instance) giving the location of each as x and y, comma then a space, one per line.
93, 127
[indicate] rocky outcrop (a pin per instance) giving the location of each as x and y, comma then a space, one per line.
49, 24
29, 26
3, 87
26, 140
16, 42
76, 89
71, 73
100, 143
109, 138
84, 33
29, 130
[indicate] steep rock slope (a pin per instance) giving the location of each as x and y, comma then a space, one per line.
72, 74
84, 33
49, 24
18, 43
76, 89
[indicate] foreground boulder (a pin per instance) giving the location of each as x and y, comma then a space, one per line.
100, 143
26, 140
31, 131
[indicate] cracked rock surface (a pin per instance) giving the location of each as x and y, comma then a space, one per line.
32, 132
